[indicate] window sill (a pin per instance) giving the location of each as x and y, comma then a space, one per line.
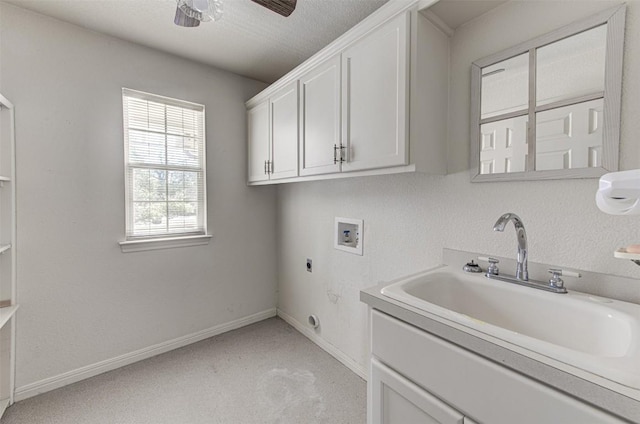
163, 243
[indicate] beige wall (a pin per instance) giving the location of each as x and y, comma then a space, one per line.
408, 219
82, 299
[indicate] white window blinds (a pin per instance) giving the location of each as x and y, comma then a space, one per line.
164, 166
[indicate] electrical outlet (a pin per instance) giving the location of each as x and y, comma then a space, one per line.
309, 265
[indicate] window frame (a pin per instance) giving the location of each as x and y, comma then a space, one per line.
166, 240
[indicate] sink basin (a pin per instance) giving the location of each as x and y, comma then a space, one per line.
595, 334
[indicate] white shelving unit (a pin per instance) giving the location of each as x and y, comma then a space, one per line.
8, 289
7, 313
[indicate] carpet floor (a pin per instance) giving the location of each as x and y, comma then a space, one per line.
263, 373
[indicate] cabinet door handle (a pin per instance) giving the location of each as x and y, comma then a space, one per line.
270, 167
335, 153
265, 167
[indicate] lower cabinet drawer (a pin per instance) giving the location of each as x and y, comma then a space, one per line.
475, 386
398, 400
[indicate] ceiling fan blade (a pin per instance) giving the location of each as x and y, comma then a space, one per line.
183, 20
281, 7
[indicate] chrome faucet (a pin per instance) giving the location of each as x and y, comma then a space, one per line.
522, 272
555, 283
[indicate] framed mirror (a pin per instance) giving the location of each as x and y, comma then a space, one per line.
549, 108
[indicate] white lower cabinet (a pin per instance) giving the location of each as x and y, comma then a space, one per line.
420, 378
398, 400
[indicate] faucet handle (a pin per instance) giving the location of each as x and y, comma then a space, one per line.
564, 272
493, 267
488, 259
556, 273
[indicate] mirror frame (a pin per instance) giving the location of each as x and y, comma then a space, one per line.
615, 20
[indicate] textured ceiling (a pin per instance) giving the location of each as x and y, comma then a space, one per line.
249, 40
458, 12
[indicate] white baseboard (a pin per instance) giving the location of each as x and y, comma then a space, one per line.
325, 345
51, 383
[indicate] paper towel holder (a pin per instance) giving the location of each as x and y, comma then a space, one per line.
619, 193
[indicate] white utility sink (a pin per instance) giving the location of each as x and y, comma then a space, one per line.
594, 334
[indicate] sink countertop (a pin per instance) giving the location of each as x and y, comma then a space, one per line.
612, 397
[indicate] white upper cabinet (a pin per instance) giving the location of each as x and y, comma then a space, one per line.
284, 133
273, 136
320, 131
258, 147
375, 82
373, 102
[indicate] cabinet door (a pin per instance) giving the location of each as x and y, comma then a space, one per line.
258, 141
284, 132
320, 123
487, 391
398, 400
375, 93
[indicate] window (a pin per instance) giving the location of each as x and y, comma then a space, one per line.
165, 173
